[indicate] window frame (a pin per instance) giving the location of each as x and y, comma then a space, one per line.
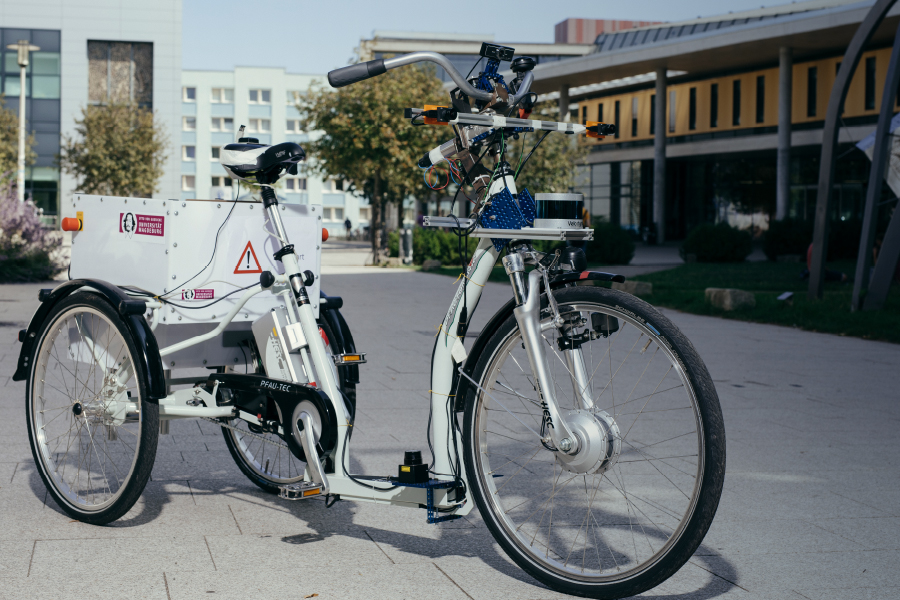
714, 106
212, 150
760, 99
219, 98
812, 91
736, 103
184, 93
184, 153
259, 96
184, 123
184, 183
692, 109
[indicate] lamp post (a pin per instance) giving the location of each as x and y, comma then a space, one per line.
24, 48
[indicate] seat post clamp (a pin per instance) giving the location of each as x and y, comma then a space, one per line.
289, 249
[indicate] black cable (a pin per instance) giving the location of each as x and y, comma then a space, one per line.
510, 111
477, 62
211, 303
216, 243
522, 166
354, 479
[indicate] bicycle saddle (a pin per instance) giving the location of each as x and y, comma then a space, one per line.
251, 161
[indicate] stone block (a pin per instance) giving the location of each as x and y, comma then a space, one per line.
431, 265
730, 299
635, 288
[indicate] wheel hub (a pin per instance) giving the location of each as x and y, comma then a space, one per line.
599, 442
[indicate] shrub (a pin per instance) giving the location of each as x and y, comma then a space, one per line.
790, 236
717, 243
432, 244
26, 248
612, 245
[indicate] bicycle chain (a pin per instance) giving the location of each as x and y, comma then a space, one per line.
245, 432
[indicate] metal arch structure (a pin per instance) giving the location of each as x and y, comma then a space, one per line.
887, 260
829, 141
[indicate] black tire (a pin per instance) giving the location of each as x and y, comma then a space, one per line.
639, 320
129, 449
254, 465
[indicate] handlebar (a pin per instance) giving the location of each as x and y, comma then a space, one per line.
360, 71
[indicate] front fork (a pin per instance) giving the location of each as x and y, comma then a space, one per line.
528, 316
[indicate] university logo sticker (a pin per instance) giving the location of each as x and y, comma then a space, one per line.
149, 228
248, 263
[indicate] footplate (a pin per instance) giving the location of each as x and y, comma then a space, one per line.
300, 491
434, 516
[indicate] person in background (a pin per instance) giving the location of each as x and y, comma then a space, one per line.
829, 274
348, 226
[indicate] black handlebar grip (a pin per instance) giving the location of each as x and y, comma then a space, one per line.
358, 72
425, 161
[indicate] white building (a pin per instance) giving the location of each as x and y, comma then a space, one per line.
94, 51
214, 105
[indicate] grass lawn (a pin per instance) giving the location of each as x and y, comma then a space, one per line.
683, 287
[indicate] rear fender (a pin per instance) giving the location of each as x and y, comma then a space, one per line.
129, 308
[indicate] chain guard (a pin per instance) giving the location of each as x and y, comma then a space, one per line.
280, 402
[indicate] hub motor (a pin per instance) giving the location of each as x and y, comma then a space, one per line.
599, 442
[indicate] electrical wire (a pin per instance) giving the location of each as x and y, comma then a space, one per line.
519, 170
211, 303
215, 244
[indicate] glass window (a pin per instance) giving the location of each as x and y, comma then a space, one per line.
634, 116
12, 63
222, 96
736, 103
11, 86
338, 214
289, 184
672, 97
692, 108
189, 94
600, 113
188, 182
714, 105
189, 123
293, 126
44, 86
812, 84
870, 83
301, 185
616, 119
260, 97
259, 126
188, 152
214, 153
760, 98
652, 114
293, 97
222, 124
228, 124
45, 63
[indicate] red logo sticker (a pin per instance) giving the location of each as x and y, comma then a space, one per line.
198, 294
132, 224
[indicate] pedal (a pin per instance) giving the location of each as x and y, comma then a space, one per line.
358, 358
299, 491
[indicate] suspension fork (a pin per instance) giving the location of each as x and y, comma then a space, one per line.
528, 316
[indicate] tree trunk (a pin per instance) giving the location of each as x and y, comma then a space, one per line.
375, 226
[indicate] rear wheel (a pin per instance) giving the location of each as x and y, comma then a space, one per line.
93, 433
264, 457
633, 504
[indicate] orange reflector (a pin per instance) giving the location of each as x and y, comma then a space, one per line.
324, 235
433, 121
352, 357
312, 492
72, 224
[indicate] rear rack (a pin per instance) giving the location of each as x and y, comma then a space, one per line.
526, 233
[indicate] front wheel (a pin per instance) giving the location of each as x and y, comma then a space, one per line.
633, 503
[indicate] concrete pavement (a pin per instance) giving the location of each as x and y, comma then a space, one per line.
811, 507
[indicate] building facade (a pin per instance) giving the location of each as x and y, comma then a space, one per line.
91, 52
743, 103
215, 104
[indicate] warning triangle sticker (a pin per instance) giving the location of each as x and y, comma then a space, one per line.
248, 263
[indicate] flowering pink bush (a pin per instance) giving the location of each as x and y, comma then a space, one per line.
26, 248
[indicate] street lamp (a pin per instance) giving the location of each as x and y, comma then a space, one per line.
24, 48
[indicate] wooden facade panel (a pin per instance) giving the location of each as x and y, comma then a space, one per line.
826, 71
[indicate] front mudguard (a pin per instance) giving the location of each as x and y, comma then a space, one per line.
462, 386
129, 308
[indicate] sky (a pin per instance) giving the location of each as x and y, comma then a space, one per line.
315, 37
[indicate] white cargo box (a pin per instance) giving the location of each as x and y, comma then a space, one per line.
170, 248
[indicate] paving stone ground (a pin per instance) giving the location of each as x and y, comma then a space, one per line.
811, 507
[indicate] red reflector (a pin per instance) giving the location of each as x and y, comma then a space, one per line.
584, 275
324, 235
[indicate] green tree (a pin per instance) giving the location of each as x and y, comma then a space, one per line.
119, 150
9, 143
366, 141
552, 166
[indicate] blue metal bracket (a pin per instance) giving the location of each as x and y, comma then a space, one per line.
430, 486
508, 212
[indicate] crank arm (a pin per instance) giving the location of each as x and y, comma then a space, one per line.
308, 441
